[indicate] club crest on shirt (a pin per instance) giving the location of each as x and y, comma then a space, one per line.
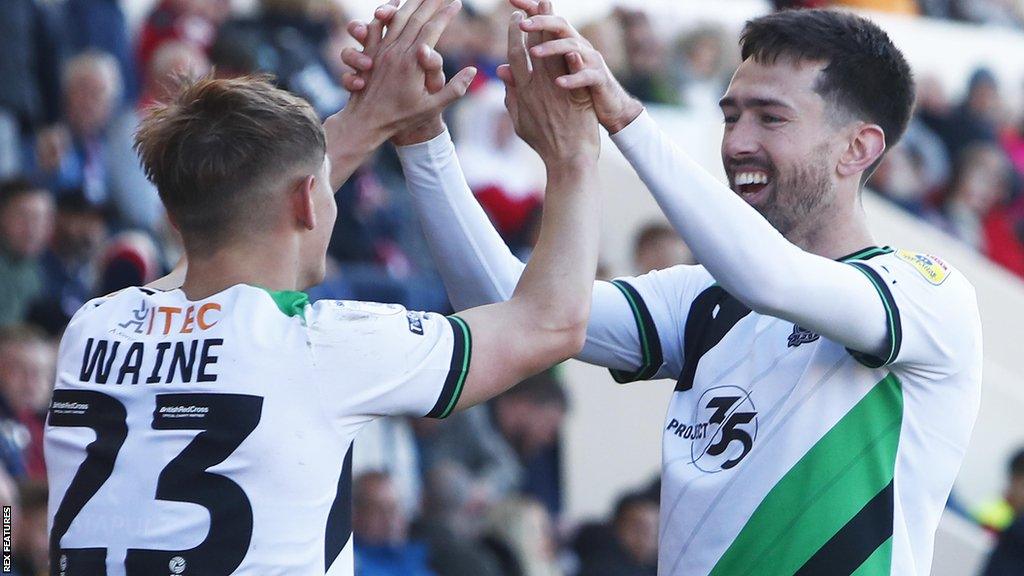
800, 336
932, 268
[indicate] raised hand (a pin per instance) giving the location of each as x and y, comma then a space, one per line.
559, 124
614, 107
393, 93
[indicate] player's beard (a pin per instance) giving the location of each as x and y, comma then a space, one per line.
799, 193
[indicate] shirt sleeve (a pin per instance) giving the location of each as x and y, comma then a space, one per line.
384, 360
660, 303
931, 311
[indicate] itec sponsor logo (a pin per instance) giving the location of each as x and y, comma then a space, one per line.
722, 430
167, 320
932, 268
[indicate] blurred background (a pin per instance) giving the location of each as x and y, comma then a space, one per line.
559, 475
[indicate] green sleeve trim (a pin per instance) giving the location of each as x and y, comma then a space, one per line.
651, 357
892, 317
462, 353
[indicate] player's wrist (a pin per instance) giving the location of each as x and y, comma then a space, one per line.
420, 133
629, 109
351, 137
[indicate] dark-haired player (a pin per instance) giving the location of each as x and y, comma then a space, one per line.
827, 387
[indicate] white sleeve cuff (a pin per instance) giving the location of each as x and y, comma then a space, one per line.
636, 132
437, 148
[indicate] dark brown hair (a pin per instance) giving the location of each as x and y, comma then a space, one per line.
220, 145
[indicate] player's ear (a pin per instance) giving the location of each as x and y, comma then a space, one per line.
866, 144
303, 202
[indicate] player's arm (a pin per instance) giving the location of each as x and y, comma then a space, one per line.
738, 247
544, 321
475, 264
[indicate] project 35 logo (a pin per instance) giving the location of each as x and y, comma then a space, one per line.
722, 431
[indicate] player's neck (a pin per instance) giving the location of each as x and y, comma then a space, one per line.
270, 265
834, 233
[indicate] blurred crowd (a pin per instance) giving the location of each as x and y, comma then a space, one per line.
480, 493
1009, 13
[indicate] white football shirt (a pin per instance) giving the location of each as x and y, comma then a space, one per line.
213, 437
783, 452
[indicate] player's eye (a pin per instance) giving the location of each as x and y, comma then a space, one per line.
731, 119
769, 119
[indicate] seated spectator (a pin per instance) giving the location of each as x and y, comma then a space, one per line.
497, 163
287, 39
647, 59
1007, 558
27, 371
975, 120
510, 444
522, 538
98, 157
631, 548
69, 265
26, 222
452, 523
31, 550
193, 22
997, 515
974, 207
129, 259
388, 445
382, 544
174, 59
658, 246
101, 25
704, 66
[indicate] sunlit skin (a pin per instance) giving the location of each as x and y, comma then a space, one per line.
778, 127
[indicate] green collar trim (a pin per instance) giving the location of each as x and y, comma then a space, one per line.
866, 253
291, 303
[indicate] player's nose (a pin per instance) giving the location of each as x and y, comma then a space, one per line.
740, 141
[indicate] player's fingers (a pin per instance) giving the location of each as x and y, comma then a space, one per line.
555, 25
583, 79
374, 35
385, 12
517, 58
433, 66
417, 20
559, 47
400, 19
356, 59
528, 6
504, 72
357, 30
438, 23
352, 82
575, 62
456, 87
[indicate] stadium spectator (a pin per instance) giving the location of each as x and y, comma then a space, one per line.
646, 55
974, 207
69, 265
704, 66
129, 259
502, 171
287, 38
26, 222
171, 61
99, 158
382, 544
101, 25
194, 22
997, 515
975, 119
509, 445
1007, 558
657, 246
27, 364
32, 546
30, 41
631, 545
522, 538
388, 445
451, 524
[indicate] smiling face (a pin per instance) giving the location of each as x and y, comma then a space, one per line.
780, 146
